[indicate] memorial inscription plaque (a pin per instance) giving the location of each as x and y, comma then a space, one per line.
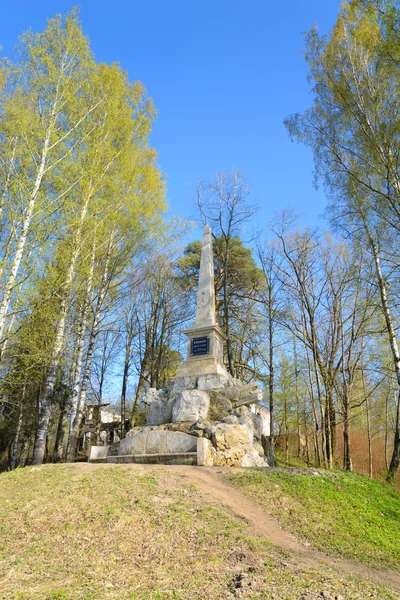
200, 345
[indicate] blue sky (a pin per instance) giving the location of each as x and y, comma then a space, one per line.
223, 76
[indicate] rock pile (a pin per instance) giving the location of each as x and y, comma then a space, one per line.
214, 407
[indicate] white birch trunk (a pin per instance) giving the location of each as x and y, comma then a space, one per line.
80, 340
395, 460
23, 237
60, 447
73, 440
46, 398
384, 300
14, 455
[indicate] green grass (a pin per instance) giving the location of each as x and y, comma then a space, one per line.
86, 532
340, 513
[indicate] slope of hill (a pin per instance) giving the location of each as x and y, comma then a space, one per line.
343, 514
89, 532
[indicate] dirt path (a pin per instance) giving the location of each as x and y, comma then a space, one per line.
266, 526
262, 524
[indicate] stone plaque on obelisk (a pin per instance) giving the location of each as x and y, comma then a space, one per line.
205, 339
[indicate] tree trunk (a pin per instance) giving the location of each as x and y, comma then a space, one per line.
47, 396
74, 435
139, 390
124, 386
314, 411
370, 468
19, 251
395, 460
14, 450
347, 463
271, 454
328, 428
80, 339
386, 431
296, 389
60, 437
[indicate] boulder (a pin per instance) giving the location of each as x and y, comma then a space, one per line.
198, 429
257, 426
242, 411
190, 405
231, 419
182, 426
220, 405
253, 459
153, 394
247, 422
183, 383
230, 458
160, 410
258, 448
209, 431
229, 435
201, 424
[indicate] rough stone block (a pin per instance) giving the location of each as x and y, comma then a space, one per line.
236, 435
258, 448
190, 405
231, 419
220, 405
247, 422
257, 426
160, 410
253, 459
97, 452
205, 453
183, 383
228, 436
230, 458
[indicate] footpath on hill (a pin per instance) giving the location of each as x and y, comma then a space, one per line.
265, 525
154, 532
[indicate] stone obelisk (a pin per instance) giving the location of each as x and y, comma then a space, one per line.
205, 308
205, 339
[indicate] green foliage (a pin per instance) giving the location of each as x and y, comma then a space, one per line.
244, 276
80, 194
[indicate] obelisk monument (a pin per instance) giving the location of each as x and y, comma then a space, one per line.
205, 339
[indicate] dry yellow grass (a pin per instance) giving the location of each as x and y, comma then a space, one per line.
88, 532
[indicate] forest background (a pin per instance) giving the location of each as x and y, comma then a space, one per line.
97, 283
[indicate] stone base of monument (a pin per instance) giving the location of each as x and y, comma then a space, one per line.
209, 419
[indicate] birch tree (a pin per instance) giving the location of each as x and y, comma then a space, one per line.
353, 130
114, 154
42, 110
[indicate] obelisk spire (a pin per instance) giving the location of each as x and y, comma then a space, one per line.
205, 340
205, 310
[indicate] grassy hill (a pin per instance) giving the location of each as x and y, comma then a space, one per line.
342, 514
134, 532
